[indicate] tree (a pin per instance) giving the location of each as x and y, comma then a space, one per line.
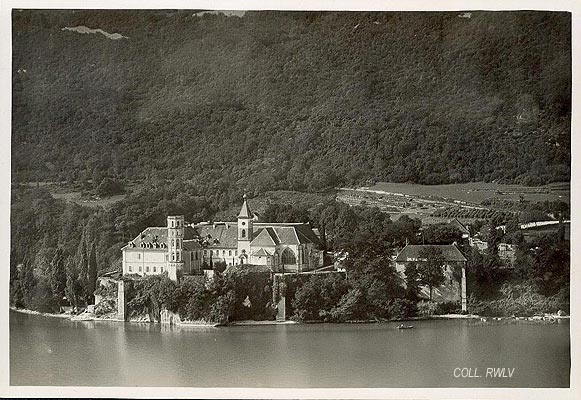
82, 261
442, 234
370, 268
412, 280
109, 187
57, 276
430, 269
73, 290
318, 295
27, 284
551, 268
92, 274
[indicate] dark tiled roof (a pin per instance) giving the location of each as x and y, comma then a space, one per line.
157, 236
219, 235
245, 210
264, 237
289, 233
413, 251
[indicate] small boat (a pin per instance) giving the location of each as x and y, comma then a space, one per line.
402, 326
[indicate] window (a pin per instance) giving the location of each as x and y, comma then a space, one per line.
139, 269
172, 224
146, 269
196, 255
130, 268
162, 270
288, 257
223, 253
154, 269
205, 252
236, 252
191, 256
243, 233
243, 223
229, 252
139, 256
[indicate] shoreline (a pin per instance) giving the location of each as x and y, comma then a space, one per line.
546, 317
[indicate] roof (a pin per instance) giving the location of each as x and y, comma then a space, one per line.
265, 237
218, 235
156, 238
412, 252
245, 210
225, 234
290, 233
261, 253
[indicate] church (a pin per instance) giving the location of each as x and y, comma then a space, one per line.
188, 249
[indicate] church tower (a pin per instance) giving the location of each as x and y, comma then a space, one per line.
244, 232
175, 238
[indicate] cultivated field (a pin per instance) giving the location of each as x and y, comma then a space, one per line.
436, 203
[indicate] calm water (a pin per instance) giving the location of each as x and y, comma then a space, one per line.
51, 351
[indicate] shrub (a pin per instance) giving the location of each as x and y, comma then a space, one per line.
448, 307
402, 309
520, 299
106, 306
427, 308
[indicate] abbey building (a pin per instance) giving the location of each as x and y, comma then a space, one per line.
181, 248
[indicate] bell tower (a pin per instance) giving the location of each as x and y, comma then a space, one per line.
175, 238
245, 228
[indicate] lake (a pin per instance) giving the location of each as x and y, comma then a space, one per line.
53, 351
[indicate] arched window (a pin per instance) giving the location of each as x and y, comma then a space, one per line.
243, 233
288, 257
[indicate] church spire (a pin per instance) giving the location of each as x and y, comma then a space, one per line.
245, 210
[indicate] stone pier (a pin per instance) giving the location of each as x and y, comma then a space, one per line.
121, 301
281, 300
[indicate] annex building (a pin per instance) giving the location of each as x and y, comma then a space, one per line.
181, 248
453, 289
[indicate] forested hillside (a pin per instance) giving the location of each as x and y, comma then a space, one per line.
291, 100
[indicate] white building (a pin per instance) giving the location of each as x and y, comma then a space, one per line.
188, 249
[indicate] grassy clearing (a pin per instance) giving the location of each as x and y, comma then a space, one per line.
477, 192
